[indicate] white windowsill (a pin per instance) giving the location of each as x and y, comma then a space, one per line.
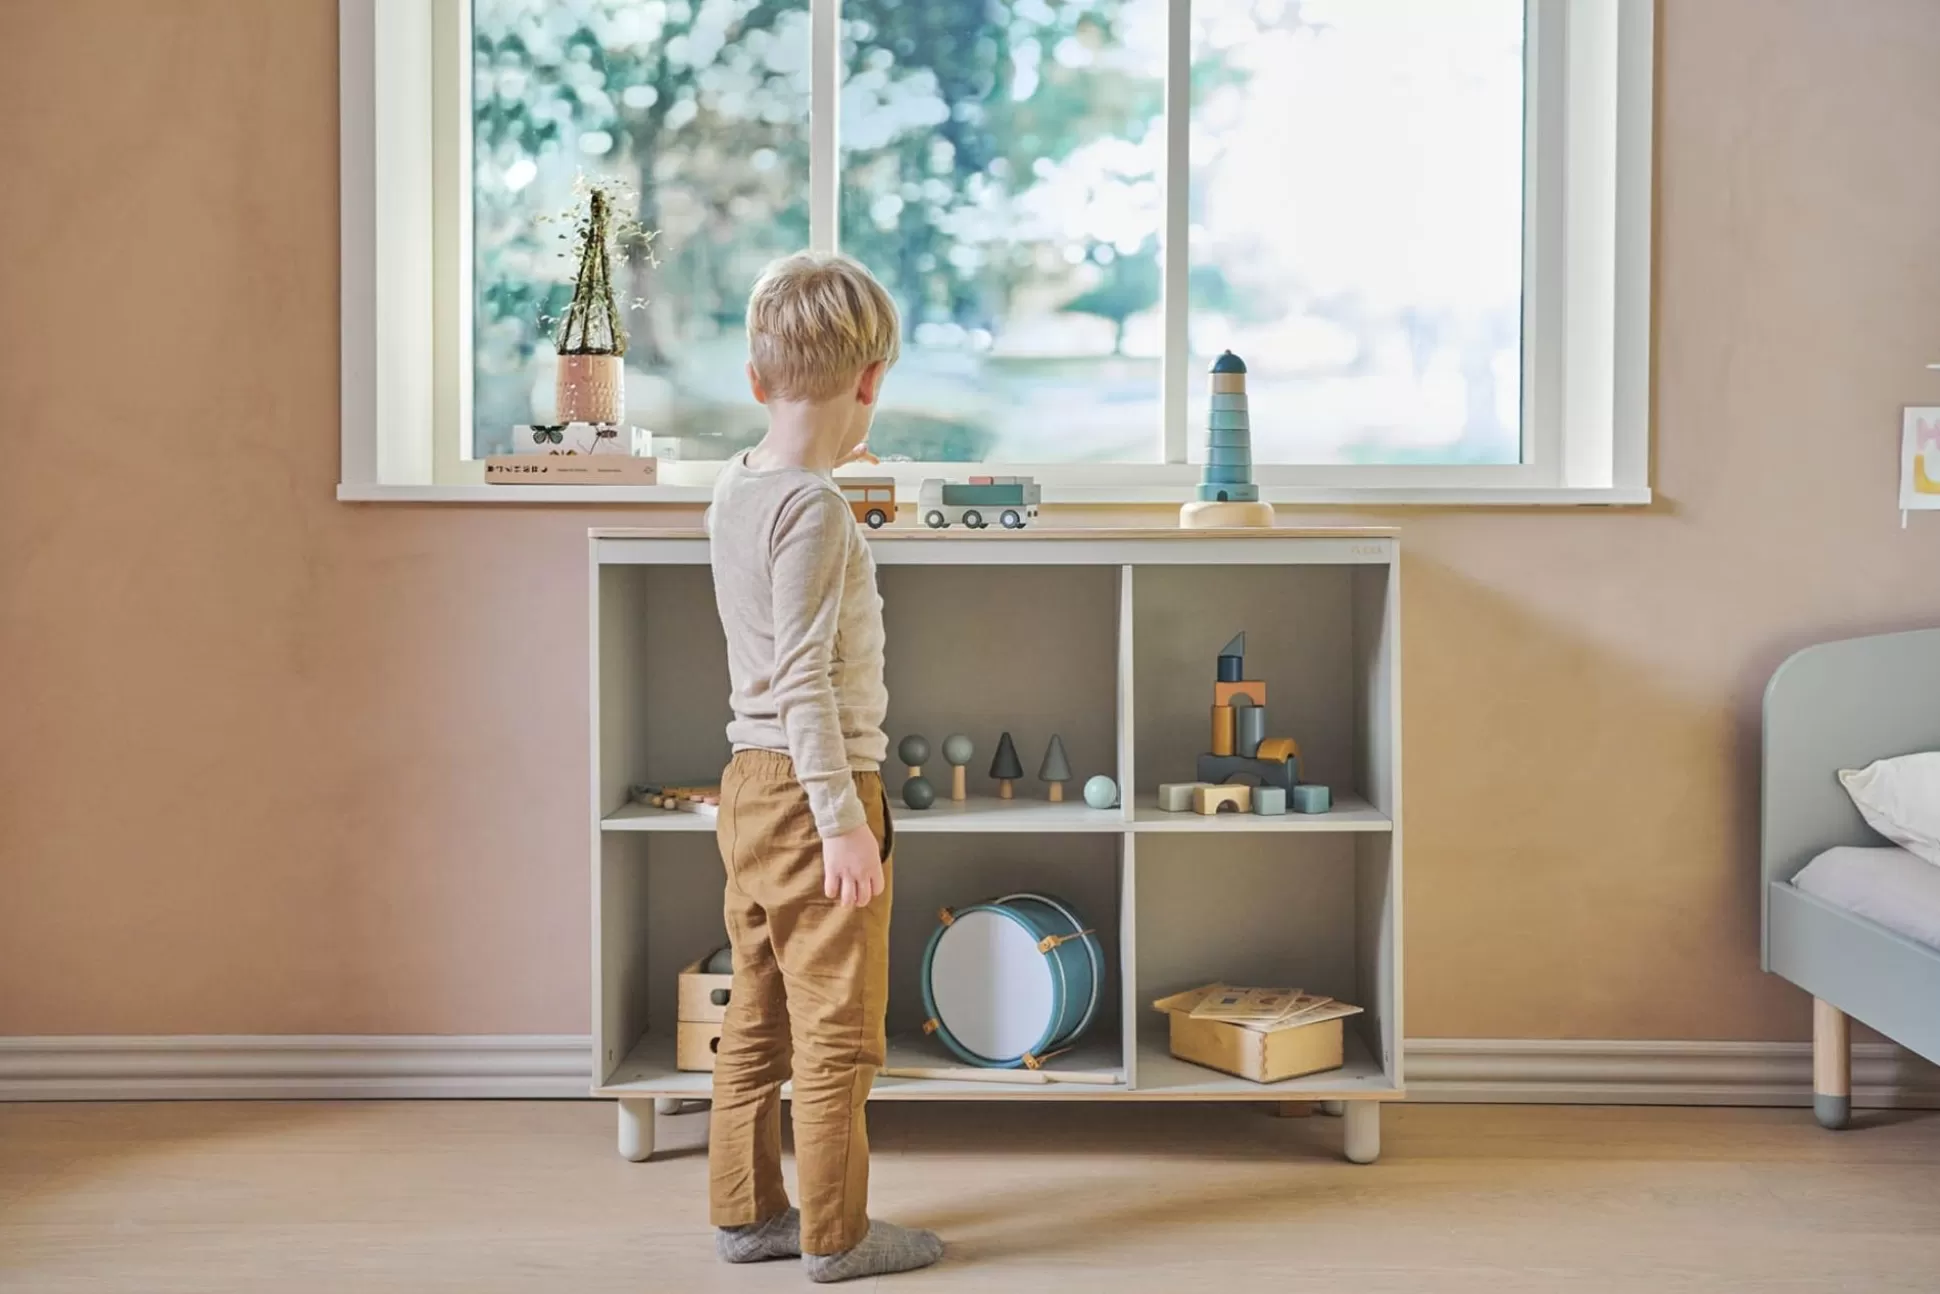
1103, 496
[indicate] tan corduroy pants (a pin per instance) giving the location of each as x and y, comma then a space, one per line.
811, 981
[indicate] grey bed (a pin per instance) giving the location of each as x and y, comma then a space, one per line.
1844, 705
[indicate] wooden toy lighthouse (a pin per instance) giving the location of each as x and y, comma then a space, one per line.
1226, 495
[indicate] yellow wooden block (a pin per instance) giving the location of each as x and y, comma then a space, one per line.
1231, 798
1249, 692
1222, 730
1278, 750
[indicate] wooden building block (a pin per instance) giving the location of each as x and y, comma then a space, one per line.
1222, 730
1311, 797
1210, 800
1176, 797
1257, 772
1245, 692
1270, 801
1277, 749
1250, 729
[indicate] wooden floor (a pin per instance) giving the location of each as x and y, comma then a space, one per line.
483, 1197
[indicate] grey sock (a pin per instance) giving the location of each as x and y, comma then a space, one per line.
887, 1248
760, 1242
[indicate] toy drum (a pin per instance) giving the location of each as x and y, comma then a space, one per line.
1009, 983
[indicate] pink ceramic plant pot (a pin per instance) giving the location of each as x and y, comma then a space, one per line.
591, 388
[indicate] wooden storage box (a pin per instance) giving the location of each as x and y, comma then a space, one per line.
700, 1007
1264, 1056
695, 1043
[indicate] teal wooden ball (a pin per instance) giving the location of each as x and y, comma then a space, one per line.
918, 793
914, 751
721, 963
1101, 792
957, 749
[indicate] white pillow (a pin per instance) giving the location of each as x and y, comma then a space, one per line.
1900, 799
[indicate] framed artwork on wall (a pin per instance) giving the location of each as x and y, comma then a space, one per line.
1920, 460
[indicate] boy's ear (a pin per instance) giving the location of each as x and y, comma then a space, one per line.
754, 385
869, 385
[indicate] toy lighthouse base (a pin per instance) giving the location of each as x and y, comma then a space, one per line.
1224, 516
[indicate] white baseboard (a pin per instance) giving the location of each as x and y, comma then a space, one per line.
1612, 1072
294, 1067
390, 1067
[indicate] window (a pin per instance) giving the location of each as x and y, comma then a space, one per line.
1424, 224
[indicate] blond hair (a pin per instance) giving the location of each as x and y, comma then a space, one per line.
815, 321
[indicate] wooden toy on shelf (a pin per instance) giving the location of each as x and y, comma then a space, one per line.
914, 750
1222, 729
1269, 801
1312, 798
1101, 792
1255, 772
1056, 768
704, 800
1241, 692
1176, 797
871, 499
1011, 501
1226, 496
1231, 665
1249, 722
1278, 750
1006, 767
1233, 798
957, 751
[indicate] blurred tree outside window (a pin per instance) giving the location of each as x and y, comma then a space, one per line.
1354, 207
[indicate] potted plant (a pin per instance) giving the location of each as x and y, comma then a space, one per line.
590, 337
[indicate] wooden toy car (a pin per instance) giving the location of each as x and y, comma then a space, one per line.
871, 498
1011, 500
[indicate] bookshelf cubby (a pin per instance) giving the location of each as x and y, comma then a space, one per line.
1107, 638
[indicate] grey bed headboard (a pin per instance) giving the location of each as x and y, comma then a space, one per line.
1833, 706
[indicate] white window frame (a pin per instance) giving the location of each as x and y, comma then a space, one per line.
405, 87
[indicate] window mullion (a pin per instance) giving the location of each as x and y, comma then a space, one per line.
1176, 355
824, 162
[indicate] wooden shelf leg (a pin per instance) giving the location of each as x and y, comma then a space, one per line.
1831, 1065
1363, 1131
1333, 1109
636, 1130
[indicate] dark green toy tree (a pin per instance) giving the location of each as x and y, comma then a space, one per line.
1006, 767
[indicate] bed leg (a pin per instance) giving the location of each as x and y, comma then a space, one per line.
1831, 1064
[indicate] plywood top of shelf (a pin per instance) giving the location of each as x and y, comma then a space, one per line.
921, 533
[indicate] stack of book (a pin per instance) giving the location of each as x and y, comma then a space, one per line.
575, 453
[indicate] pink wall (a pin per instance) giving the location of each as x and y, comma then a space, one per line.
276, 764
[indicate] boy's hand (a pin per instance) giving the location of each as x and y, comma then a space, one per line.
852, 867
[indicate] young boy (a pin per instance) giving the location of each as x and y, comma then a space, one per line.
804, 827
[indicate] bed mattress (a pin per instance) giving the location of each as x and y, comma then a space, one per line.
1888, 886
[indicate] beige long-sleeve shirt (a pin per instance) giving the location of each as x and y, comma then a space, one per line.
796, 588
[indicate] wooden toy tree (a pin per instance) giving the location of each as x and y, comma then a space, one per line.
1056, 768
1006, 767
957, 751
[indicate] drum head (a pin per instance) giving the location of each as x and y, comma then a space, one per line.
994, 991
